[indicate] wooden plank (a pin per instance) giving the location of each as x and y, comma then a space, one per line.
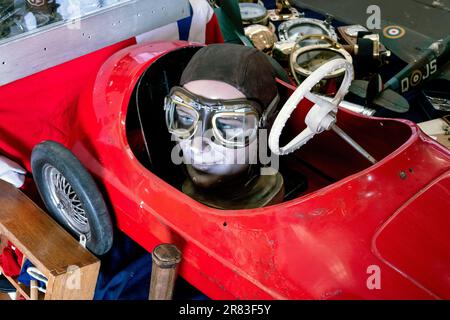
4, 296
21, 288
3, 242
77, 284
33, 290
42, 240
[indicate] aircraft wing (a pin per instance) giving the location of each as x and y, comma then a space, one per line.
409, 47
407, 26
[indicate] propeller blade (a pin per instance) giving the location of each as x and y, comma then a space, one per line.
391, 100
359, 88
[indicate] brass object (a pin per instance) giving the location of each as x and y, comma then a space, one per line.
284, 11
261, 36
322, 43
316, 50
350, 35
282, 50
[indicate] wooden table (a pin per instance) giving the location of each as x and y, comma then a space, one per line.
71, 270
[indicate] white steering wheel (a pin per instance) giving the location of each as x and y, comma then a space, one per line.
322, 115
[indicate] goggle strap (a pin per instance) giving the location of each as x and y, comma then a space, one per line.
268, 111
169, 113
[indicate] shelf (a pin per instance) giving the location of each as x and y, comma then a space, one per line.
47, 246
4, 296
21, 288
36, 234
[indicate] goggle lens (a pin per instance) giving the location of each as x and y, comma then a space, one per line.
235, 128
181, 119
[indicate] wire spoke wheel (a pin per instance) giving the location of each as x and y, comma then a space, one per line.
66, 200
71, 196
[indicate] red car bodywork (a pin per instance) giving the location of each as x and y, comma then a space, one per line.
392, 217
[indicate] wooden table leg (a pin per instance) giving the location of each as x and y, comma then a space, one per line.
166, 258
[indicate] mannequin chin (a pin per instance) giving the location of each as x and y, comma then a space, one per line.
204, 179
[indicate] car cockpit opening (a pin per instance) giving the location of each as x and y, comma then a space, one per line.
200, 118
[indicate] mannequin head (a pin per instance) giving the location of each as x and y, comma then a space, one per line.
227, 92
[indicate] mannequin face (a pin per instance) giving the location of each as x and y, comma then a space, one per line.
208, 162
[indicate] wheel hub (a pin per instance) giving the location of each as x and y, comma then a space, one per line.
66, 201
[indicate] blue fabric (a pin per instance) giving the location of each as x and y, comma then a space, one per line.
184, 26
130, 283
5, 285
125, 273
25, 278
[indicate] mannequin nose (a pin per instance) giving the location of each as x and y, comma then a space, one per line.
200, 145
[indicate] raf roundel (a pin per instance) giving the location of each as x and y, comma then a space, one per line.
416, 77
36, 3
393, 32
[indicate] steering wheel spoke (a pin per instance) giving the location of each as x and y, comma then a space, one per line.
313, 98
324, 104
322, 115
295, 144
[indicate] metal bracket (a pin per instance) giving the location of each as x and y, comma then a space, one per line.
274, 15
440, 104
328, 20
83, 240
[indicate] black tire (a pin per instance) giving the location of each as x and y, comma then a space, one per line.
71, 195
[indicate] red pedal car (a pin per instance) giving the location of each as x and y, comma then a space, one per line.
358, 231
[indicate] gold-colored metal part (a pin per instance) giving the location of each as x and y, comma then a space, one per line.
282, 50
284, 11
283, 6
349, 34
261, 36
306, 73
322, 42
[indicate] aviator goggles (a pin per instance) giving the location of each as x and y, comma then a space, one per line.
234, 123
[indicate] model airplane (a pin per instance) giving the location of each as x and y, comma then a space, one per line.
432, 64
426, 67
424, 46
